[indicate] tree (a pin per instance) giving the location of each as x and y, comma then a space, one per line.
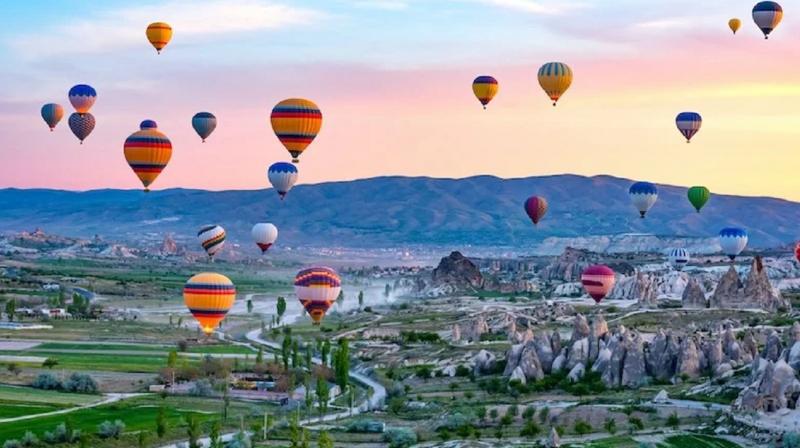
249, 306
324, 440
80, 383
286, 349
50, 363
387, 291
340, 298
544, 414
309, 399
529, 412
161, 422
294, 432
325, 352
323, 393
193, 430
11, 309
260, 355
610, 425
172, 359
141, 439
581, 427
342, 369
295, 354
351, 398
280, 307
360, 299
530, 429
308, 356
673, 421
512, 410
226, 403
493, 414
13, 368
480, 412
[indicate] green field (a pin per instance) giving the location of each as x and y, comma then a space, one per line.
679, 441
31, 395
211, 349
17, 409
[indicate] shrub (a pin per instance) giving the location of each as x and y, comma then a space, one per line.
202, 388
400, 437
582, 427
636, 423
80, 383
108, 429
531, 429
529, 412
12, 443
29, 439
462, 370
46, 381
673, 421
60, 435
791, 440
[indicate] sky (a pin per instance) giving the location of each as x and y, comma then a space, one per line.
393, 81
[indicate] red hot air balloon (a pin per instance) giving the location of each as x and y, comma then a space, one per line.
797, 251
536, 207
598, 280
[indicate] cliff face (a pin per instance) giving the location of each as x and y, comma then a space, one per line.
756, 292
456, 272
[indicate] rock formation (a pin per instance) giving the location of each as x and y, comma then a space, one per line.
757, 291
457, 272
693, 296
568, 266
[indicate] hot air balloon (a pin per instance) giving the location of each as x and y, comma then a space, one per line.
698, 196
598, 280
797, 251
732, 240
536, 207
82, 98
767, 16
212, 238
316, 289
282, 176
555, 78
159, 34
485, 88
209, 296
296, 122
52, 113
678, 258
264, 235
204, 124
81, 125
734, 24
148, 151
643, 195
688, 124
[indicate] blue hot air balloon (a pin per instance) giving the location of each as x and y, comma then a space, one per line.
643, 195
282, 176
767, 16
204, 124
732, 240
82, 98
688, 124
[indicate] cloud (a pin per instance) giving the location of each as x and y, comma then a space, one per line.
389, 5
534, 7
120, 28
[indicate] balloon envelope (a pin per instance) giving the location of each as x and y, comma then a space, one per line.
159, 35
212, 238
209, 296
82, 98
734, 24
282, 176
81, 125
767, 16
204, 124
698, 196
317, 288
264, 234
147, 152
485, 88
797, 251
678, 258
643, 195
52, 113
688, 124
555, 78
536, 208
296, 122
598, 280
732, 240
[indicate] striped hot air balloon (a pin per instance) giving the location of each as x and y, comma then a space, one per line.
204, 124
767, 16
212, 238
282, 176
82, 98
598, 280
555, 78
688, 124
485, 88
317, 288
698, 196
296, 122
643, 195
209, 296
264, 234
147, 151
52, 113
732, 240
678, 258
159, 35
536, 207
81, 125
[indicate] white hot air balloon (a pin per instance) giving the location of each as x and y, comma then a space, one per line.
678, 258
264, 234
282, 176
732, 240
643, 195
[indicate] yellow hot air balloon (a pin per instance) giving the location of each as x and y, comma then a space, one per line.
147, 151
555, 78
734, 24
485, 88
209, 296
159, 34
296, 122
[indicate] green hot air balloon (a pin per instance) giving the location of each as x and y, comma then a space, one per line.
698, 196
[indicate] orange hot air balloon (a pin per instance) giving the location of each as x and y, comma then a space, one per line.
296, 122
159, 35
209, 296
317, 288
148, 151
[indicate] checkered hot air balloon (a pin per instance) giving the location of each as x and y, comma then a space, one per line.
598, 280
209, 296
81, 125
147, 151
317, 288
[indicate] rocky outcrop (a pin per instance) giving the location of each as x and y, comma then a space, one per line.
458, 273
773, 347
483, 362
756, 292
530, 364
580, 328
661, 358
169, 246
644, 291
774, 387
633, 370
689, 362
456, 333
568, 266
553, 440
693, 296
576, 373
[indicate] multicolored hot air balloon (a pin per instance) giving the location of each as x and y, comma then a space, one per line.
598, 280
209, 296
555, 78
282, 176
317, 288
81, 125
698, 196
264, 235
767, 16
734, 24
52, 113
147, 151
159, 35
204, 124
82, 98
536, 208
643, 195
732, 240
485, 88
678, 258
296, 122
688, 124
212, 238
